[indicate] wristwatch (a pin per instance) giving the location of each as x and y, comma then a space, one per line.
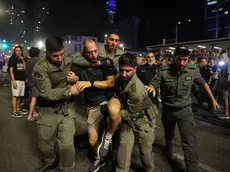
91, 82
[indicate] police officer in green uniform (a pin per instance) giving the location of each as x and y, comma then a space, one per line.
56, 118
175, 81
138, 116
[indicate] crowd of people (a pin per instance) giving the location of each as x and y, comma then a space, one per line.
121, 95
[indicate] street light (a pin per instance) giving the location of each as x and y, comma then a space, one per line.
40, 44
122, 46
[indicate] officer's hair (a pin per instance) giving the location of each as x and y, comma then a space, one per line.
113, 32
128, 59
54, 44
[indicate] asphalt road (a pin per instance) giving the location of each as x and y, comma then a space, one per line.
19, 153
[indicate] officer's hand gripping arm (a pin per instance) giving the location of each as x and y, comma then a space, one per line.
79, 60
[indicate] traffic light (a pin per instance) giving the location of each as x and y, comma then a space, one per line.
4, 45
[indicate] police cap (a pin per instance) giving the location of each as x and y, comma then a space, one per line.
181, 51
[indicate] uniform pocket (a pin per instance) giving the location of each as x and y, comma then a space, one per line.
46, 123
168, 88
186, 87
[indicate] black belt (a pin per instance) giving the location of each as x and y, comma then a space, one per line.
175, 108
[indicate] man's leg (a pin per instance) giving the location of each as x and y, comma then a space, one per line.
225, 100
94, 120
21, 86
125, 148
32, 108
66, 131
169, 124
187, 127
145, 139
113, 121
14, 103
15, 97
47, 128
33, 94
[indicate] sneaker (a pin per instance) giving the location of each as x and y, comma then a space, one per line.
16, 115
223, 117
159, 99
22, 112
103, 148
97, 165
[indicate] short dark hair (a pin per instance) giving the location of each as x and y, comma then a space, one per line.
128, 59
54, 44
115, 32
33, 52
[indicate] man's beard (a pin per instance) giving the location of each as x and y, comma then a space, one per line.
58, 63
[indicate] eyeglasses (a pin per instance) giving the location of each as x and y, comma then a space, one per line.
57, 55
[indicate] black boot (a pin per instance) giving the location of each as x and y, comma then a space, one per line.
169, 152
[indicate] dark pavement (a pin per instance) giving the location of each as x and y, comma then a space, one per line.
19, 153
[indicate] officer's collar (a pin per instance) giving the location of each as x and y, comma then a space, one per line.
127, 84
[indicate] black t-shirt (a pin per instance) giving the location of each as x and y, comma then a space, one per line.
18, 68
94, 96
146, 73
205, 73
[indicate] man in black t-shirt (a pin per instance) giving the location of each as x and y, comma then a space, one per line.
97, 84
17, 68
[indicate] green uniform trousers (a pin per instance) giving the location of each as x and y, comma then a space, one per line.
144, 137
187, 127
56, 128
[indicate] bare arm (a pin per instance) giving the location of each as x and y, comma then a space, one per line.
108, 83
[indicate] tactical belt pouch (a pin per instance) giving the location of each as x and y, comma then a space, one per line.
61, 108
150, 113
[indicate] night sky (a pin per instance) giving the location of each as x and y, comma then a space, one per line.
88, 17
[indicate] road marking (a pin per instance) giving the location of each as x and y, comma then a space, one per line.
202, 166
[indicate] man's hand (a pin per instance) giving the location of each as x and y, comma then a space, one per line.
81, 85
14, 85
151, 90
215, 105
72, 78
74, 90
22, 58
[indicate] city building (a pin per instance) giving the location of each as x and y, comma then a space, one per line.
73, 44
217, 18
41, 12
17, 23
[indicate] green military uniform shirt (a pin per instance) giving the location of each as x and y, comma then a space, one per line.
51, 79
176, 86
136, 102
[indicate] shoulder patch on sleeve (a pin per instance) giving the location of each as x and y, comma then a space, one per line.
39, 70
192, 66
38, 75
